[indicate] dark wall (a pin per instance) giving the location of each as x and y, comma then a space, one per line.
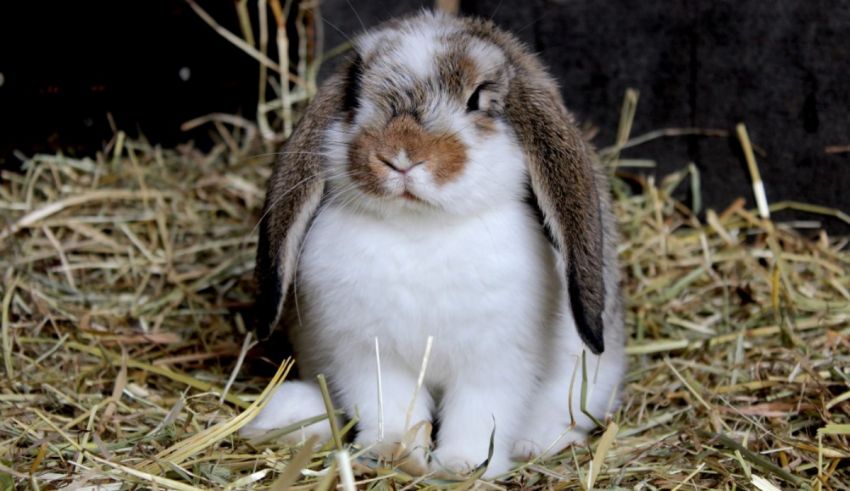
66, 64
782, 67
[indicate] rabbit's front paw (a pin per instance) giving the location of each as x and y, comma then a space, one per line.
455, 463
396, 454
406, 451
449, 463
292, 404
545, 441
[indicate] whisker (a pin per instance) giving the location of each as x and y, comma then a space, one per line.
281, 153
496, 10
298, 258
453, 134
535, 21
356, 14
278, 199
337, 29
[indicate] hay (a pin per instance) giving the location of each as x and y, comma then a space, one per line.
126, 277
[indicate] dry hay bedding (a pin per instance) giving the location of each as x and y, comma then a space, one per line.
126, 277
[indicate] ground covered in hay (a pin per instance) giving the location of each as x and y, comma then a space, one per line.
126, 285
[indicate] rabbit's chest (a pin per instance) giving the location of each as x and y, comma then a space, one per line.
469, 283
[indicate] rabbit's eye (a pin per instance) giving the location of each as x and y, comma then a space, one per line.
483, 98
473, 104
352, 86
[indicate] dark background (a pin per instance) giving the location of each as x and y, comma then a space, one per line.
66, 64
782, 67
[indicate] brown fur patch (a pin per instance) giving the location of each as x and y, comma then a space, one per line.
464, 74
485, 124
444, 155
365, 167
458, 74
448, 158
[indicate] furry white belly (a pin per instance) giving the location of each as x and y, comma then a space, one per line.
484, 287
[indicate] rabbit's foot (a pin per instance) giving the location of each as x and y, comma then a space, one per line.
547, 440
454, 463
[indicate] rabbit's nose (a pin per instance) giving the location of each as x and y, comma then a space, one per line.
400, 162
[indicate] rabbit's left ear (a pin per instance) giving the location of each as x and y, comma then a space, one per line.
294, 193
564, 183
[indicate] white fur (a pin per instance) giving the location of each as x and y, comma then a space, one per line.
413, 47
282, 410
470, 265
477, 284
417, 50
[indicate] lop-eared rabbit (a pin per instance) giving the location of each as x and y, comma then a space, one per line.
437, 187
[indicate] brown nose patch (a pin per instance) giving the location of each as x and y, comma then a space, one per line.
444, 154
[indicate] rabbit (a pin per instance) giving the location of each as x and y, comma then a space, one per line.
437, 187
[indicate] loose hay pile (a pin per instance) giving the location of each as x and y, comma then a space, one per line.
125, 280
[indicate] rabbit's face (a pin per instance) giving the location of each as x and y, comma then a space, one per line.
423, 126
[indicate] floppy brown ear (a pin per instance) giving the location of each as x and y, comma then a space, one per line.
564, 183
293, 195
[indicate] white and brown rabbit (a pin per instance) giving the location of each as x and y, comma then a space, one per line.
438, 187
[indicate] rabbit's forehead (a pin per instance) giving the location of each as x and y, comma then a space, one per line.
411, 52
426, 53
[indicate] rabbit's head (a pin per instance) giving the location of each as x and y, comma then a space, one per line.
439, 114
423, 126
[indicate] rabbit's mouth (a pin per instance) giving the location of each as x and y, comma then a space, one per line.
407, 195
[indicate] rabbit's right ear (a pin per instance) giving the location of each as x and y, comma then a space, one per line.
294, 192
564, 183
